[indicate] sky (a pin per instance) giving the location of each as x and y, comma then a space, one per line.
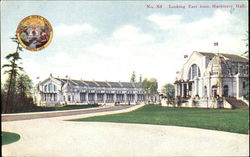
108, 40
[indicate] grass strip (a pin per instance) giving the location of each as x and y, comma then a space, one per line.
215, 119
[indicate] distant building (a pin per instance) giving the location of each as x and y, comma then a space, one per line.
57, 91
213, 80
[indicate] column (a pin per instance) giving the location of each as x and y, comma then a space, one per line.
188, 89
133, 97
185, 89
136, 97
114, 98
195, 87
95, 97
209, 88
181, 90
176, 89
232, 87
125, 98
237, 86
86, 97
104, 97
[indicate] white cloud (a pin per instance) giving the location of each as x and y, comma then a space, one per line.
165, 22
132, 35
130, 49
223, 27
76, 29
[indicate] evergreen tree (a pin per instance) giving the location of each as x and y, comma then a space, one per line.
133, 77
246, 53
12, 72
140, 79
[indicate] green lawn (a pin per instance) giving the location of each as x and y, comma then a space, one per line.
8, 137
215, 119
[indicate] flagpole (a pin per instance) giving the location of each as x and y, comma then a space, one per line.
218, 48
217, 44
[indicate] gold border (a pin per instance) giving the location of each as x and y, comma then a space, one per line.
19, 29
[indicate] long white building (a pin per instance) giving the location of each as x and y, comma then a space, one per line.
213, 80
57, 91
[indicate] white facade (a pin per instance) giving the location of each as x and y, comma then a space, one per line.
56, 91
209, 79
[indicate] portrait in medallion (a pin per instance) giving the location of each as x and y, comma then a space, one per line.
34, 32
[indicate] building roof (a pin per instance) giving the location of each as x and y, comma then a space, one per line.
91, 83
107, 84
102, 84
231, 57
127, 84
115, 84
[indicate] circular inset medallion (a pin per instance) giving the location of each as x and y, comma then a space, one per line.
34, 33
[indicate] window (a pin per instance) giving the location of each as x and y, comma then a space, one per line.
244, 85
247, 69
82, 97
190, 86
49, 88
194, 71
205, 91
214, 73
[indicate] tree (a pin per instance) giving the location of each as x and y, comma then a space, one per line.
168, 91
150, 86
12, 72
133, 77
24, 87
140, 79
146, 86
246, 53
153, 86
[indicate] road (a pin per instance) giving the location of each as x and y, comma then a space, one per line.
48, 114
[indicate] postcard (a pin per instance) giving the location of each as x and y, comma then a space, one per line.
125, 78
